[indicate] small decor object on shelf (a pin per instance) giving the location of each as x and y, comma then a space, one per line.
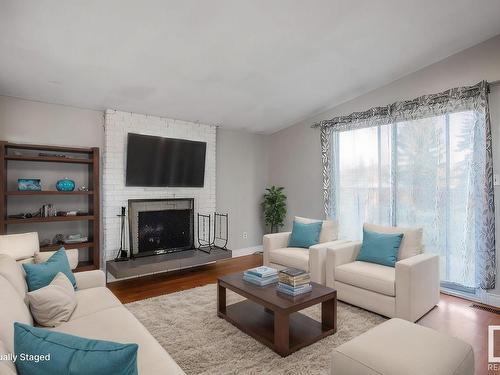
83, 188
261, 276
75, 238
48, 210
293, 281
58, 239
65, 185
29, 184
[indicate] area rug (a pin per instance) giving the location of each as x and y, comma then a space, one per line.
186, 325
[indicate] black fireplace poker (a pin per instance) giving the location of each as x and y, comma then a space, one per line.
122, 255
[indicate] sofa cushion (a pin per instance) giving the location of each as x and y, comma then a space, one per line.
19, 246
369, 276
329, 228
54, 303
411, 244
93, 300
12, 309
119, 325
77, 355
41, 274
13, 272
72, 255
296, 257
399, 347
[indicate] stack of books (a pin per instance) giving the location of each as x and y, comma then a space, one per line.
261, 275
294, 282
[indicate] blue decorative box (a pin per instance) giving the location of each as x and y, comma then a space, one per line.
29, 184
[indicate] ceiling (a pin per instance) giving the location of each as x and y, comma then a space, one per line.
259, 65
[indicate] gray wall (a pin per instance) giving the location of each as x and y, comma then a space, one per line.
242, 163
26, 121
295, 158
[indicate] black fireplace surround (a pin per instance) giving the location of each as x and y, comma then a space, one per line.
160, 226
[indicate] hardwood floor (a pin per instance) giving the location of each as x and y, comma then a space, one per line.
452, 316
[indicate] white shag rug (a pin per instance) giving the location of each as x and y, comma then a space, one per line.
186, 325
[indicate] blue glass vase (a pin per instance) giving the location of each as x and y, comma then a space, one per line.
65, 185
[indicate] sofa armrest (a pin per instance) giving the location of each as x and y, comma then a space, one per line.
274, 241
90, 279
417, 286
335, 256
317, 259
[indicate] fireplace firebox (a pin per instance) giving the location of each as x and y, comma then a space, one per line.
160, 226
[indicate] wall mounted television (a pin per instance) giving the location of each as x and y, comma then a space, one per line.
158, 161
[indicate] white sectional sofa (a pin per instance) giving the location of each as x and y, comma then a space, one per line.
98, 315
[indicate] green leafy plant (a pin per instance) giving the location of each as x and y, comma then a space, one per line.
274, 205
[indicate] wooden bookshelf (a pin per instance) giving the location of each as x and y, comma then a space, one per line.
29, 153
49, 192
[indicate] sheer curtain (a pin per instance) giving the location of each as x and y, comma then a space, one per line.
422, 163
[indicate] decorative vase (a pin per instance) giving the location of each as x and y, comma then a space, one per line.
65, 185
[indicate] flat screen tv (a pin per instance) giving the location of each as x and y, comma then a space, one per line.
157, 161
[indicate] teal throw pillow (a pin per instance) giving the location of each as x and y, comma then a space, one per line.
43, 352
305, 235
42, 274
380, 248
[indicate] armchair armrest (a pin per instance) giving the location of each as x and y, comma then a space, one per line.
417, 286
274, 241
335, 256
317, 259
90, 279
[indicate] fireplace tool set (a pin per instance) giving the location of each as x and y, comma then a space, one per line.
208, 241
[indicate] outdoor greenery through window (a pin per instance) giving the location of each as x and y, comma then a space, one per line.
413, 173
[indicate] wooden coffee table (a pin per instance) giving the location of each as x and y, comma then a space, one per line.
273, 318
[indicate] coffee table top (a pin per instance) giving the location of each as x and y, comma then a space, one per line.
271, 298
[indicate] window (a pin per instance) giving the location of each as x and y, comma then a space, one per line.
414, 173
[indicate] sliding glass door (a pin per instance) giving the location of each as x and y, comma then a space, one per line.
414, 173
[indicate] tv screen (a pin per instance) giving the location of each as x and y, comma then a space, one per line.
157, 161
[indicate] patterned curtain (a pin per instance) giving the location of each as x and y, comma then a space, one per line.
413, 118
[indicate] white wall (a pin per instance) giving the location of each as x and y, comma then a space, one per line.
242, 165
295, 155
116, 194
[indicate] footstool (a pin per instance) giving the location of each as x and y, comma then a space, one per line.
398, 347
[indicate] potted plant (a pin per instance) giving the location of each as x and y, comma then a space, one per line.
274, 205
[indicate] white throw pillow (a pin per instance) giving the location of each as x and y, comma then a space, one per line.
329, 228
54, 303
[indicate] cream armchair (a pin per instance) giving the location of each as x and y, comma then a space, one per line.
407, 291
278, 255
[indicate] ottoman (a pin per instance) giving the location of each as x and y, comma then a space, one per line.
398, 347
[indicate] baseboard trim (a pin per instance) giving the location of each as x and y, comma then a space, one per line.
246, 251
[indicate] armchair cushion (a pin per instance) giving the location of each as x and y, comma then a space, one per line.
380, 248
329, 228
411, 244
369, 276
296, 257
304, 235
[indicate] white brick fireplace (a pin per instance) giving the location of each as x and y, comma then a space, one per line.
115, 194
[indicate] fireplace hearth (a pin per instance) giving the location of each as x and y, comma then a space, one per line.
161, 226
